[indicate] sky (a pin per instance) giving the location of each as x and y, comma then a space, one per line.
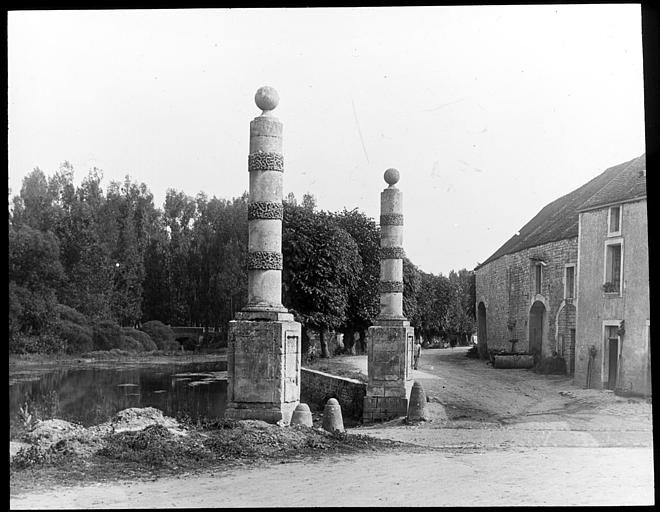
488, 112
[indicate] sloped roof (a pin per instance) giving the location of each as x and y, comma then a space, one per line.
628, 184
559, 219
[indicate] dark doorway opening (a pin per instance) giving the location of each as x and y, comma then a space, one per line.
612, 357
536, 321
482, 331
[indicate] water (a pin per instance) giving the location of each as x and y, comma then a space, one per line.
91, 396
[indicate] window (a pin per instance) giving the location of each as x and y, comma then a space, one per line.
538, 278
613, 253
614, 221
569, 282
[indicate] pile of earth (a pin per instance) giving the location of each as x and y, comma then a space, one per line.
142, 443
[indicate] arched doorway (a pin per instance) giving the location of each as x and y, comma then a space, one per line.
536, 322
482, 331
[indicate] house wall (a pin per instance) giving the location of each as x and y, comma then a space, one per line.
506, 286
595, 307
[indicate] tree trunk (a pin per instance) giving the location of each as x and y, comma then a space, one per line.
324, 344
304, 343
363, 342
349, 341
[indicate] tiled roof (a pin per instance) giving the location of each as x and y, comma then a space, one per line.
559, 219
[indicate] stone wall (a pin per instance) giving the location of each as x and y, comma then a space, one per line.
506, 287
317, 387
596, 308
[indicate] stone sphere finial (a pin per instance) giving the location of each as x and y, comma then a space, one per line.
266, 98
391, 176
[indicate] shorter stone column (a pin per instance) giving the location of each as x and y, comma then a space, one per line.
390, 341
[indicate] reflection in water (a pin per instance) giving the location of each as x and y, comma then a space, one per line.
92, 395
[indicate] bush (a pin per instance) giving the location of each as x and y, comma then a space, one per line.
106, 335
130, 344
188, 342
69, 314
145, 340
214, 340
161, 334
78, 337
36, 344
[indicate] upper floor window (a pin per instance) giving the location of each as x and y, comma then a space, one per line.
569, 282
614, 221
613, 267
538, 278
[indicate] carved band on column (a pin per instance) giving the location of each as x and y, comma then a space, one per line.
388, 253
391, 219
391, 287
266, 162
264, 260
265, 210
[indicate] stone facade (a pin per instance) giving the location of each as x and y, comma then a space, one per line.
616, 324
506, 287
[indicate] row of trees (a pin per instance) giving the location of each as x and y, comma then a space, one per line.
115, 256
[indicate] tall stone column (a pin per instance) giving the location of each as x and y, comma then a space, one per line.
263, 355
390, 340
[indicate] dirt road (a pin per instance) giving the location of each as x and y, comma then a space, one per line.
495, 437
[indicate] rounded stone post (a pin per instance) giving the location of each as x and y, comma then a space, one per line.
391, 249
265, 209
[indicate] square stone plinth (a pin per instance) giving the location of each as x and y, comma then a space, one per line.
263, 370
389, 367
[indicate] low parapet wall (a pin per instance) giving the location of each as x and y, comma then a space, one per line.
317, 387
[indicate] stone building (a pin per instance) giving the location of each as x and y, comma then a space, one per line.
613, 329
526, 291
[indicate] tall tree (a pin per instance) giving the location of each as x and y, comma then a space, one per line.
34, 275
321, 262
363, 299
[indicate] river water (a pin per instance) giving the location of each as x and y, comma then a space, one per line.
92, 395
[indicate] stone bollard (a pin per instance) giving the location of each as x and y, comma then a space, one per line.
332, 419
417, 404
302, 416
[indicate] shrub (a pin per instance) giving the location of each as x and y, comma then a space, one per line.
106, 335
161, 334
21, 343
145, 340
69, 314
78, 337
188, 342
131, 344
214, 340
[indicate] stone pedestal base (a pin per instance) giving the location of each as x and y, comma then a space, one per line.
390, 360
263, 367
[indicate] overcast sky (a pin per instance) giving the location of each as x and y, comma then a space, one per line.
488, 112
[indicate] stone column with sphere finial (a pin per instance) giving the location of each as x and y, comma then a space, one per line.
263, 356
390, 341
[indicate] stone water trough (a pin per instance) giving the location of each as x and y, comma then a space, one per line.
524, 361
